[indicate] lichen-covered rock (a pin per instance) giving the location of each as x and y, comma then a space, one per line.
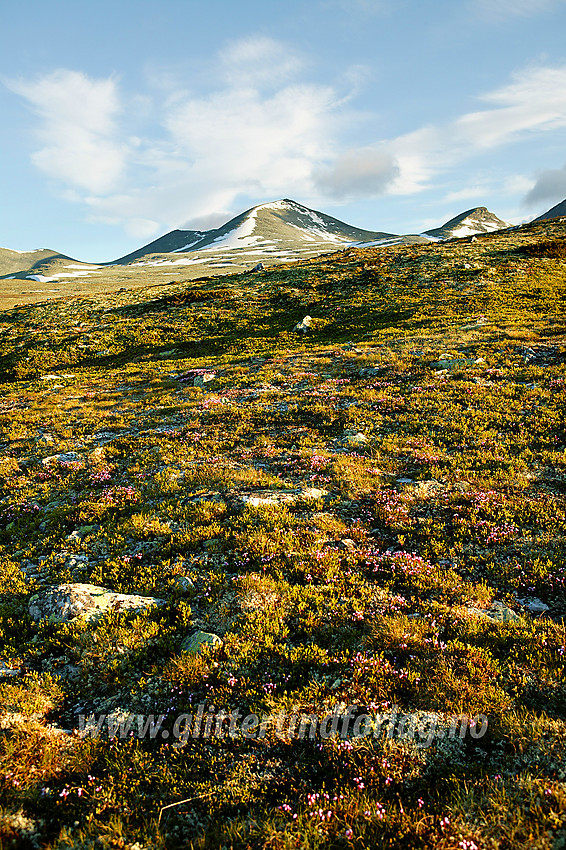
205, 378
184, 585
197, 640
354, 440
67, 601
534, 605
453, 363
303, 325
275, 497
62, 458
497, 613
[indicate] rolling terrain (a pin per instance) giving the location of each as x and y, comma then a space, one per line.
207, 500
273, 233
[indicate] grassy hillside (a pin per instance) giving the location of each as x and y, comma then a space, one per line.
367, 514
12, 262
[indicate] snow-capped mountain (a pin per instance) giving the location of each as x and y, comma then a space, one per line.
555, 212
277, 232
275, 226
469, 223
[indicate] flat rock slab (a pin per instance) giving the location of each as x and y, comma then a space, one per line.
274, 497
452, 363
68, 601
63, 458
354, 440
497, 613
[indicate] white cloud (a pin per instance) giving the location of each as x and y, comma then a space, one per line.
258, 61
78, 134
533, 103
467, 193
549, 187
232, 143
208, 222
258, 133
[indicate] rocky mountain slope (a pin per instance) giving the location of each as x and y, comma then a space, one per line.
469, 223
272, 227
554, 212
269, 234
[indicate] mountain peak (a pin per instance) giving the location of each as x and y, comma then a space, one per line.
554, 212
468, 223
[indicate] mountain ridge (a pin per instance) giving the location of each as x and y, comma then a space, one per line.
554, 212
284, 221
272, 233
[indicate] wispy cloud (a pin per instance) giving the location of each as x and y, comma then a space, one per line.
78, 136
259, 130
533, 102
257, 61
500, 9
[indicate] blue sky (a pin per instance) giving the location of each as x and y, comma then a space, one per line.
123, 120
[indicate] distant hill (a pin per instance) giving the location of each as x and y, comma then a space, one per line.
555, 212
283, 224
12, 262
469, 223
277, 232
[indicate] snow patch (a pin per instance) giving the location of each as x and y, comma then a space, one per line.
241, 236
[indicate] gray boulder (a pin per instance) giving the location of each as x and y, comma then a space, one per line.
64, 602
195, 642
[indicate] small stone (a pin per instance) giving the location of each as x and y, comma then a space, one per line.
534, 605
452, 363
355, 440
205, 378
195, 642
304, 324
7, 672
46, 440
64, 457
497, 613
277, 497
97, 455
427, 489
184, 585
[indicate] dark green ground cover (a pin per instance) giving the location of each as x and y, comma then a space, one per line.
455, 499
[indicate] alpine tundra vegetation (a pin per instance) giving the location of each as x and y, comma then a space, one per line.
224, 528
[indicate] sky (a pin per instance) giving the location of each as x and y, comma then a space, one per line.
124, 120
